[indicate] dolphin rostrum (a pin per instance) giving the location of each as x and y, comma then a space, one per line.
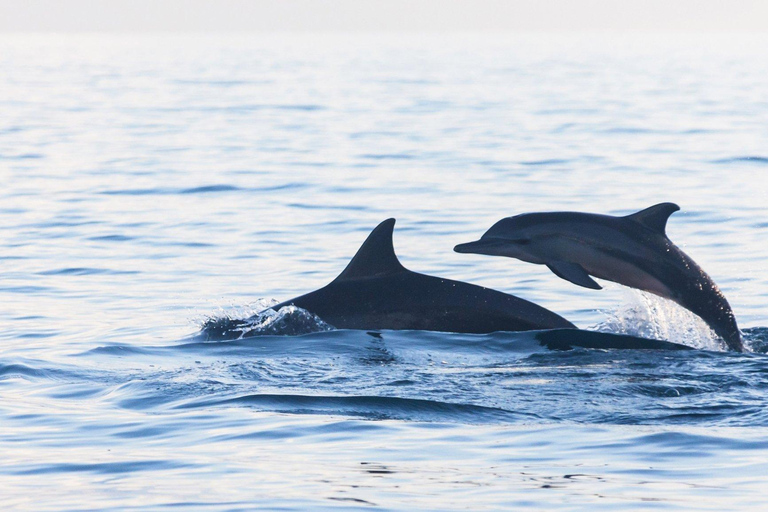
375, 291
632, 250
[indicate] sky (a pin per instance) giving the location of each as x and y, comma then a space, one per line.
383, 15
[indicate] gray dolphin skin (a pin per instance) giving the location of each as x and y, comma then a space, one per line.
633, 250
375, 291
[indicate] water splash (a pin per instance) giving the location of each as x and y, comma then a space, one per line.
259, 319
648, 316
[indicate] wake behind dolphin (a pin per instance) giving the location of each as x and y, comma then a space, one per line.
633, 250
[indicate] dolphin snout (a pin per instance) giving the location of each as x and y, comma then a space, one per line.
478, 246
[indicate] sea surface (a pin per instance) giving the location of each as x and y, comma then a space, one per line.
151, 185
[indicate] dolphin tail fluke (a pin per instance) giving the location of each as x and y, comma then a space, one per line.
574, 273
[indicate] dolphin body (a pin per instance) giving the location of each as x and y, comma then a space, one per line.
632, 250
375, 291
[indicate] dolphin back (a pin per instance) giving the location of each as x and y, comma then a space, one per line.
375, 291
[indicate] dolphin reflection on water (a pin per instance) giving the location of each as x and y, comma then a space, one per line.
633, 250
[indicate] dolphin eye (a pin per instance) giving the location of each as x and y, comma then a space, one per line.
521, 241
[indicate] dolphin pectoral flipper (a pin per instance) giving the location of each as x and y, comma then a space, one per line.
574, 273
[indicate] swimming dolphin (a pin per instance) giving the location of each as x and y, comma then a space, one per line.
375, 291
632, 250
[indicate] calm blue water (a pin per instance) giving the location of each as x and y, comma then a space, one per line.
153, 183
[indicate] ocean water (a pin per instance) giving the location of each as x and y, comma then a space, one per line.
152, 184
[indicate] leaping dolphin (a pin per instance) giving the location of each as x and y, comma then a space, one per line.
375, 291
633, 250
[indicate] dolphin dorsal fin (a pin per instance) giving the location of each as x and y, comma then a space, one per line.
655, 217
376, 257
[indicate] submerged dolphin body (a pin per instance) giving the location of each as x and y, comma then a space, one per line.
375, 291
632, 250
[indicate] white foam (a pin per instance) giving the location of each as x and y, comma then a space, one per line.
649, 316
257, 318
288, 320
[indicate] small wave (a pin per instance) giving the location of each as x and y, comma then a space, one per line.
372, 407
83, 271
761, 160
387, 156
243, 108
23, 156
58, 373
28, 290
282, 186
103, 468
627, 130
539, 163
303, 108
264, 321
38, 335
111, 238
117, 350
137, 192
308, 206
756, 339
20, 370
210, 189
220, 83
203, 189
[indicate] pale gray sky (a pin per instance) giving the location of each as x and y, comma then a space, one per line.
385, 15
